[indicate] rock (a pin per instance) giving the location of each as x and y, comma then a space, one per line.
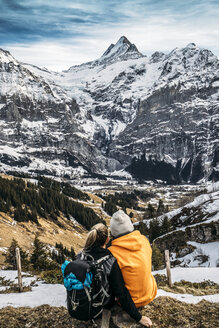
121, 319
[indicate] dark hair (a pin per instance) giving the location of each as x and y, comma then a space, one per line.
97, 236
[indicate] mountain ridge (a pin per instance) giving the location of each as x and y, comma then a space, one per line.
105, 113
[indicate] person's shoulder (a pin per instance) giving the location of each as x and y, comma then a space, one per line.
109, 263
109, 252
105, 253
145, 238
112, 259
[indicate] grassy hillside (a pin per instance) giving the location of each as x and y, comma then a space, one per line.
56, 212
47, 198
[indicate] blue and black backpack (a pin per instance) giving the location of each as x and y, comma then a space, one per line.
86, 281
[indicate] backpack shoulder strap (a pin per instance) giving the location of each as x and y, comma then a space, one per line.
85, 257
108, 264
102, 259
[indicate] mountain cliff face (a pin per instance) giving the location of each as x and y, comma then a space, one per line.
156, 117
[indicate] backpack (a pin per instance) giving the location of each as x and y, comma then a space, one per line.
87, 285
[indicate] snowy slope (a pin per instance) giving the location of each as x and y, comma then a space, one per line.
194, 240
211, 250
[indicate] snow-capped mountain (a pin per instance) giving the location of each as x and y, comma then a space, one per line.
157, 117
122, 50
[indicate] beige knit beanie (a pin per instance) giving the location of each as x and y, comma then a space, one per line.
120, 224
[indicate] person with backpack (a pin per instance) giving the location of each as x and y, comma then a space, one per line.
133, 253
94, 280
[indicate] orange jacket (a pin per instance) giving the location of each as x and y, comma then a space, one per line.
133, 253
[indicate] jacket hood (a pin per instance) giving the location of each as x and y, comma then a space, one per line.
130, 241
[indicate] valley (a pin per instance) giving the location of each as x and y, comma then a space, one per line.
109, 196
194, 264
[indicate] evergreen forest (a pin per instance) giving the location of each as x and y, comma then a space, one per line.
47, 198
125, 200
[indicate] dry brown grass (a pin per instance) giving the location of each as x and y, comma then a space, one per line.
5, 176
167, 312
211, 290
164, 312
186, 287
69, 234
15, 289
66, 232
12, 287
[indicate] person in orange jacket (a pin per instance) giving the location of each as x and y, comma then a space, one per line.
133, 253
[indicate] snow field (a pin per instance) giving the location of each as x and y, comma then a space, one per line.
197, 274
55, 294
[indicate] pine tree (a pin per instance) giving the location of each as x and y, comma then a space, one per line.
157, 257
160, 208
39, 258
62, 253
110, 208
8, 205
10, 257
124, 210
72, 252
150, 212
154, 229
142, 227
166, 226
2, 206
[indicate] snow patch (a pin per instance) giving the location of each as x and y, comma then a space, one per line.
32, 124
197, 274
9, 151
215, 84
208, 251
188, 298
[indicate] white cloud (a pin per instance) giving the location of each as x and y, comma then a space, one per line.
53, 56
150, 30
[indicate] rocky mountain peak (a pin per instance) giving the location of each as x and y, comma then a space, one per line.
192, 57
157, 56
191, 45
123, 40
123, 49
6, 57
108, 50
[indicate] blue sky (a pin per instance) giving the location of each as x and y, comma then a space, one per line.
58, 34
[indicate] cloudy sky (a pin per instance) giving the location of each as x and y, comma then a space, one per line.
58, 34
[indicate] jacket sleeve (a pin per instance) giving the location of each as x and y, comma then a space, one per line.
121, 292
